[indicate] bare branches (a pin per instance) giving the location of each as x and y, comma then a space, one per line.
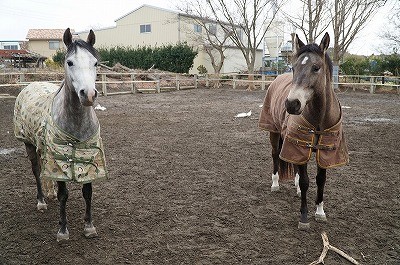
211, 38
246, 21
348, 19
313, 20
392, 31
327, 247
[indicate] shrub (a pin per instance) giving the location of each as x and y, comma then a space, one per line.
59, 57
202, 69
178, 58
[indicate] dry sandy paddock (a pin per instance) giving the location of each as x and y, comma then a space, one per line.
189, 184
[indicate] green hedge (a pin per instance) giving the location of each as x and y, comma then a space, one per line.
371, 65
178, 58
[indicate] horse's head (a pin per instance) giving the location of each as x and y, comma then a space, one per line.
80, 67
312, 71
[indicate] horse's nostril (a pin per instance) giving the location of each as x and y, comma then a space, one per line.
296, 104
293, 106
82, 93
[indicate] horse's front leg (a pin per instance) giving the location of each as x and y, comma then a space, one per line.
275, 139
321, 179
303, 183
62, 196
34, 158
296, 180
89, 230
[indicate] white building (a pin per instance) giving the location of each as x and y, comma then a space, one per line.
153, 26
10, 45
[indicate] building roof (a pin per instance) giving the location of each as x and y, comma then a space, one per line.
150, 6
46, 34
170, 11
8, 54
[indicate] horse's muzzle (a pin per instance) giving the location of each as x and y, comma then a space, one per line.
87, 98
293, 106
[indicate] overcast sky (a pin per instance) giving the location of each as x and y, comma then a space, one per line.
18, 16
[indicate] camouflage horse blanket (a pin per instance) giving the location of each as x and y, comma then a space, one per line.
63, 157
300, 138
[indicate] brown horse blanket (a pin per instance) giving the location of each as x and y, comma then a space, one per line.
63, 157
300, 138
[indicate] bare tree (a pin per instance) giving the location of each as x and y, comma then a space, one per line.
349, 17
211, 38
392, 32
313, 19
246, 22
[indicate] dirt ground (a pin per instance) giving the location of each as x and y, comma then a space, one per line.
189, 184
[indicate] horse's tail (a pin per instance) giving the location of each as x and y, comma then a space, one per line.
286, 170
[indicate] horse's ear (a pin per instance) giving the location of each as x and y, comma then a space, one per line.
91, 39
67, 38
324, 45
297, 44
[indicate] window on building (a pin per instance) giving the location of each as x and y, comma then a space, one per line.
145, 28
54, 45
212, 28
197, 28
10, 47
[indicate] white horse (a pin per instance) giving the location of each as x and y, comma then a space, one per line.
61, 131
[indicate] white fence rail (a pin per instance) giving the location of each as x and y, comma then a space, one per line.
125, 83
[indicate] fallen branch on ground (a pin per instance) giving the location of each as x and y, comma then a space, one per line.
327, 247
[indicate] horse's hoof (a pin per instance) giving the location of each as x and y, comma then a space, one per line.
274, 188
320, 218
41, 206
62, 236
298, 193
303, 226
89, 231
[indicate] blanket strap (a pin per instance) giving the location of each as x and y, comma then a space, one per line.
311, 131
308, 144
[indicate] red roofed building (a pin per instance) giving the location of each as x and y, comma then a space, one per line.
20, 58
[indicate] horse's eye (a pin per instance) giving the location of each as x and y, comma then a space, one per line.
70, 63
315, 68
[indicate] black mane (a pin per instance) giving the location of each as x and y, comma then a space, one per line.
314, 48
83, 44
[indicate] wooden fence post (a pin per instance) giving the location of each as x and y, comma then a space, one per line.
158, 84
22, 77
103, 84
207, 82
177, 82
373, 85
234, 81
195, 80
133, 87
263, 82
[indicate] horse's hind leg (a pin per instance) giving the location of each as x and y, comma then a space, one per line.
321, 179
34, 158
62, 196
89, 230
275, 139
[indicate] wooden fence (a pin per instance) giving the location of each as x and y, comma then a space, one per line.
126, 83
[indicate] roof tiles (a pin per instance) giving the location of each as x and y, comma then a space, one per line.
46, 34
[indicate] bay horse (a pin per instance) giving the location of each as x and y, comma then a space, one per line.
303, 115
61, 131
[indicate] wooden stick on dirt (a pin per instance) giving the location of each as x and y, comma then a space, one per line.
327, 247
